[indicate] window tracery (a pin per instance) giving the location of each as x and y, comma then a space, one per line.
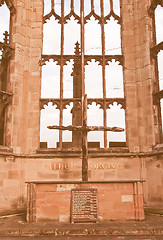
101, 12
5, 55
156, 56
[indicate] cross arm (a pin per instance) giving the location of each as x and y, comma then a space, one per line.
86, 128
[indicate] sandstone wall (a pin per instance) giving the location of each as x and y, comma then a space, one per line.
115, 201
23, 119
154, 178
15, 171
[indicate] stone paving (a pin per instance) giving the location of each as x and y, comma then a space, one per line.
150, 229
85, 238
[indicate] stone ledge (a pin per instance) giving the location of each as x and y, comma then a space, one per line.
154, 210
82, 182
4, 149
158, 147
92, 153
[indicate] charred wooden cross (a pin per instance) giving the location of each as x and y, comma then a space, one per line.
85, 129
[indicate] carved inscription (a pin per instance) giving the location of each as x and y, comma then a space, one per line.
95, 166
111, 165
60, 166
83, 205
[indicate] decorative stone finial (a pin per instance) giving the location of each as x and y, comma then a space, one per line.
77, 48
6, 37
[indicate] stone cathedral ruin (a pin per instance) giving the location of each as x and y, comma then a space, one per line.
105, 169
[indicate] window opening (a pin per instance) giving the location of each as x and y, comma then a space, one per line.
84, 56
49, 116
71, 35
113, 41
95, 118
106, 7
5, 54
159, 24
50, 37
87, 7
114, 80
68, 80
160, 69
67, 7
155, 11
4, 20
67, 120
47, 7
93, 80
116, 7
116, 116
50, 80
92, 37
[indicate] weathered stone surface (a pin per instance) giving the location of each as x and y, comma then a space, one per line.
19, 161
114, 203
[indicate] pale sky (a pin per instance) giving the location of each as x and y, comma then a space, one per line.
93, 76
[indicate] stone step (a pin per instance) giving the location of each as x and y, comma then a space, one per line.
149, 229
105, 232
85, 238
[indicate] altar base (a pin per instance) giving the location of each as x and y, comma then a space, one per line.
117, 200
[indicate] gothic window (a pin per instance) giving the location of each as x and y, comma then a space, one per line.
6, 9
82, 55
156, 12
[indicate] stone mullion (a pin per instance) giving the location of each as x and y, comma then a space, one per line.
61, 73
82, 46
103, 71
52, 5
111, 5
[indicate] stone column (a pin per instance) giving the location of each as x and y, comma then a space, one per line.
22, 133
138, 78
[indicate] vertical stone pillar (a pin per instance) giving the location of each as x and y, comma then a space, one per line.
31, 202
138, 200
77, 93
23, 129
138, 78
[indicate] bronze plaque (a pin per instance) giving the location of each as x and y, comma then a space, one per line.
83, 205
